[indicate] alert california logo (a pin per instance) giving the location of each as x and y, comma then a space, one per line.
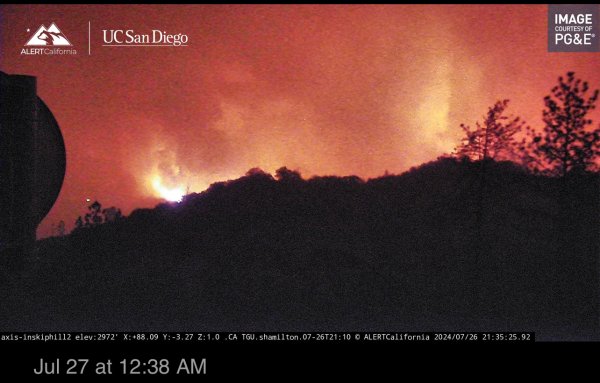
48, 41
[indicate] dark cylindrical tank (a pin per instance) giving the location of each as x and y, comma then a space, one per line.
18, 123
32, 166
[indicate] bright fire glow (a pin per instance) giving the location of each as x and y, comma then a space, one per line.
170, 194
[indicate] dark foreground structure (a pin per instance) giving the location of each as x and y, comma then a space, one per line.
32, 168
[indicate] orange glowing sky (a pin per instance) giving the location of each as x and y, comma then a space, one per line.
323, 89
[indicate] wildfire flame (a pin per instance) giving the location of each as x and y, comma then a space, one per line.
170, 194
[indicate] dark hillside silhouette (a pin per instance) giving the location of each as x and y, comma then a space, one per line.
395, 253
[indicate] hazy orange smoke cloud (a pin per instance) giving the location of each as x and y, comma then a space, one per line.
353, 90
324, 89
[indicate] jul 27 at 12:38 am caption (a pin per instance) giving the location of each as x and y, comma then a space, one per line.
183, 366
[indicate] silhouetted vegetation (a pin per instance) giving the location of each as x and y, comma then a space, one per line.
97, 216
565, 144
494, 138
61, 228
395, 253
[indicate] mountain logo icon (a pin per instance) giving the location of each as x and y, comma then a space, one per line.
51, 36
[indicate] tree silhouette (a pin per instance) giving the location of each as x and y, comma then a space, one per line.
111, 214
565, 145
491, 140
494, 139
256, 172
287, 175
93, 218
61, 228
96, 216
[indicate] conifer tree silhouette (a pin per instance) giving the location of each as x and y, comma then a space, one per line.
566, 145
